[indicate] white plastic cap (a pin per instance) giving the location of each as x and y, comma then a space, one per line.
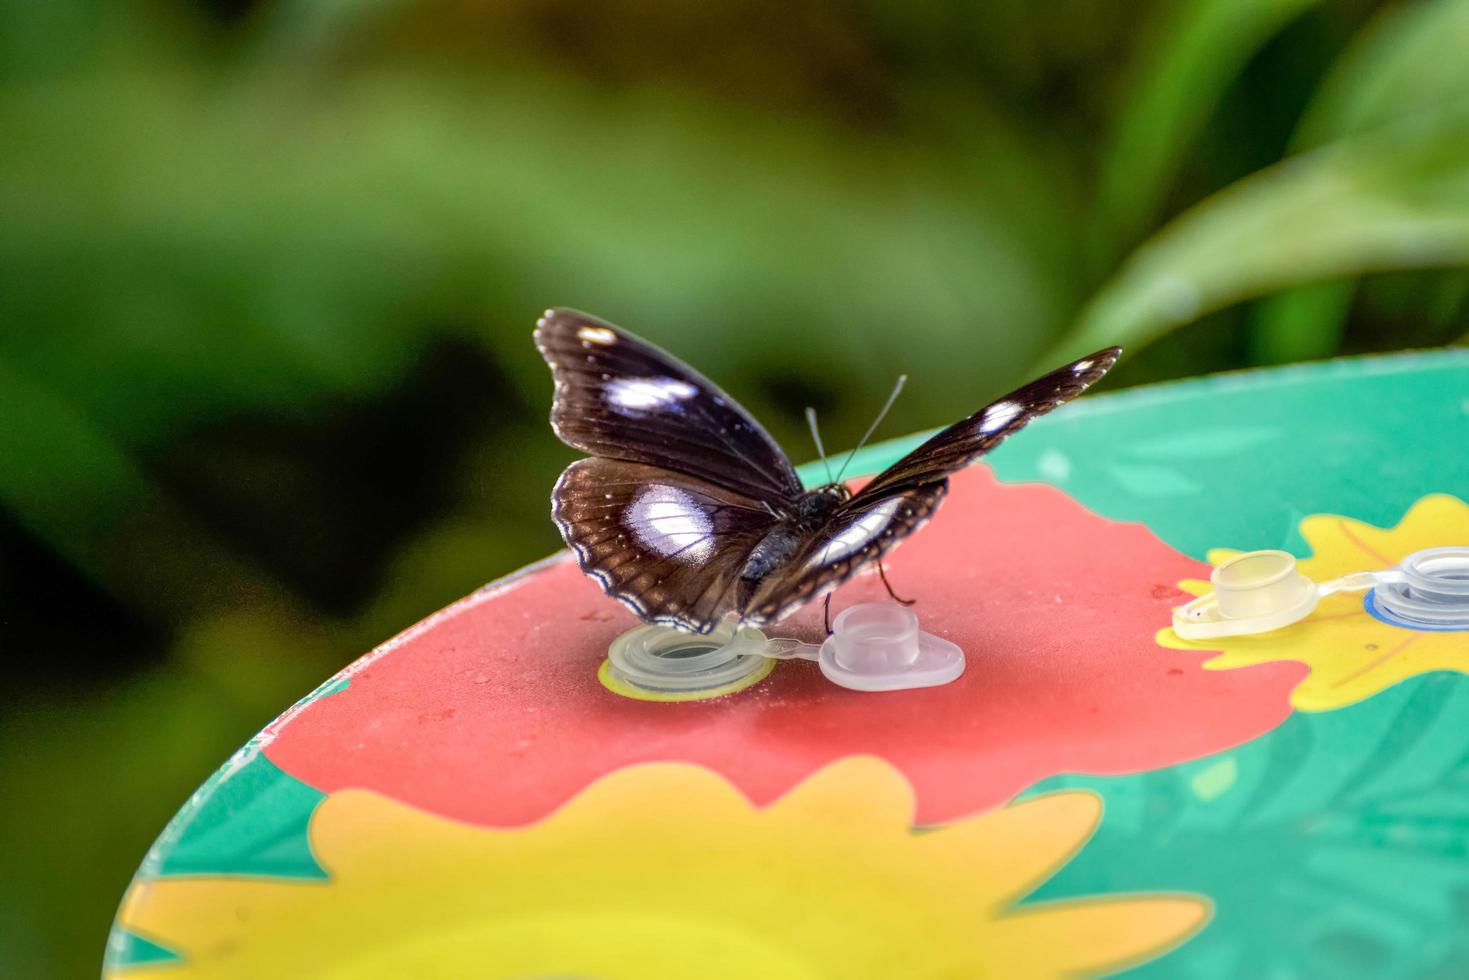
877, 646
1254, 592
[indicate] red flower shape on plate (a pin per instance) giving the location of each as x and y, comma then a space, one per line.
491, 711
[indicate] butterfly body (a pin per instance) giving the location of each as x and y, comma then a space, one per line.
687, 511
811, 512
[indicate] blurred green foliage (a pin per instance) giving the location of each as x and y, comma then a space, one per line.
268, 272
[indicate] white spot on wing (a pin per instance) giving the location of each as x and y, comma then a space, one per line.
596, 335
642, 394
1081, 366
997, 416
859, 534
670, 522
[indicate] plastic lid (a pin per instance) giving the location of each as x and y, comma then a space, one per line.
1253, 593
877, 646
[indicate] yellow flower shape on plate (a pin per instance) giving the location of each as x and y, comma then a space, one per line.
665, 870
1352, 654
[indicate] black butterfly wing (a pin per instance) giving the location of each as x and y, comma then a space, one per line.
619, 397
667, 545
963, 442
902, 498
857, 535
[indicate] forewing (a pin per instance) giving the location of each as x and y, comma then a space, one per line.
667, 545
858, 533
964, 442
619, 397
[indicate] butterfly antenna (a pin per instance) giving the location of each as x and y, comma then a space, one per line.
816, 437
897, 390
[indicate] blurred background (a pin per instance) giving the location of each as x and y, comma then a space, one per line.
268, 271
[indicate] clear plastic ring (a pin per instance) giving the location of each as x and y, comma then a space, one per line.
1432, 592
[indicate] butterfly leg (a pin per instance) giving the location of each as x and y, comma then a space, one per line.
882, 574
826, 613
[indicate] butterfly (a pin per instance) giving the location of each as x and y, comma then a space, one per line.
687, 510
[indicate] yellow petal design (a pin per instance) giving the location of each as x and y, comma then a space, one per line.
1352, 655
665, 870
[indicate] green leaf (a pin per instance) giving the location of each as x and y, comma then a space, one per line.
1185, 62
1382, 202
1406, 69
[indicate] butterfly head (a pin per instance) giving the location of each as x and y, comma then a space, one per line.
838, 492
815, 505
